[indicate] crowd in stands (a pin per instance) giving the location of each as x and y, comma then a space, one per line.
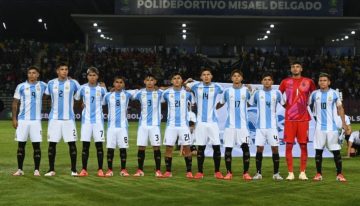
17, 55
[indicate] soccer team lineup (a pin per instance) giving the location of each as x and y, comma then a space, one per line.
297, 94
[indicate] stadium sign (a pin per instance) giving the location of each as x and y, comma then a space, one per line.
230, 7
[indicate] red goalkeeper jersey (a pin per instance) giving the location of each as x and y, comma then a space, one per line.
296, 93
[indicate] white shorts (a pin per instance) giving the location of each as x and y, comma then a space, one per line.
271, 136
233, 136
28, 128
146, 133
326, 138
207, 133
117, 137
89, 130
62, 128
172, 133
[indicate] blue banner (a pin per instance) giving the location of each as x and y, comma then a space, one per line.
230, 7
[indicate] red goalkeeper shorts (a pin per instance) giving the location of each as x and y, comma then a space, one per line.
298, 129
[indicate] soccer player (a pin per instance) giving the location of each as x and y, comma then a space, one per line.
296, 91
324, 101
354, 144
28, 122
92, 122
266, 101
61, 117
149, 124
207, 129
117, 102
177, 99
236, 129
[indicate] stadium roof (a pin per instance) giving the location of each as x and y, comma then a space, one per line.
316, 27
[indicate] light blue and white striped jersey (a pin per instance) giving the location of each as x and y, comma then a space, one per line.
62, 98
205, 98
150, 107
236, 99
325, 102
30, 96
92, 97
117, 103
178, 103
266, 102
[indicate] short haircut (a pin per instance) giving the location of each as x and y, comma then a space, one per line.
33, 68
205, 69
296, 62
267, 74
92, 70
323, 74
119, 77
237, 71
149, 75
61, 64
175, 74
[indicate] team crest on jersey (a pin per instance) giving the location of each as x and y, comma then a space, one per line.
155, 95
317, 98
182, 96
243, 97
231, 97
329, 98
27, 89
112, 97
261, 97
123, 97
98, 94
211, 89
171, 95
66, 88
87, 92
38, 87
55, 87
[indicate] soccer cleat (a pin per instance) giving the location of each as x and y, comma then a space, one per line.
139, 173
277, 177
74, 174
100, 173
109, 173
83, 173
246, 176
228, 176
124, 173
189, 175
167, 174
257, 176
50, 174
302, 176
317, 177
158, 174
291, 176
218, 175
37, 173
340, 177
19, 172
199, 175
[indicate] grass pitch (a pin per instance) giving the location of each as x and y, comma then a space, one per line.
66, 190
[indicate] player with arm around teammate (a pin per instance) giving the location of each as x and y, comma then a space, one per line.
62, 117
149, 124
92, 122
207, 129
266, 101
296, 91
117, 102
236, 128
177, 99
325, 100
28, 122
